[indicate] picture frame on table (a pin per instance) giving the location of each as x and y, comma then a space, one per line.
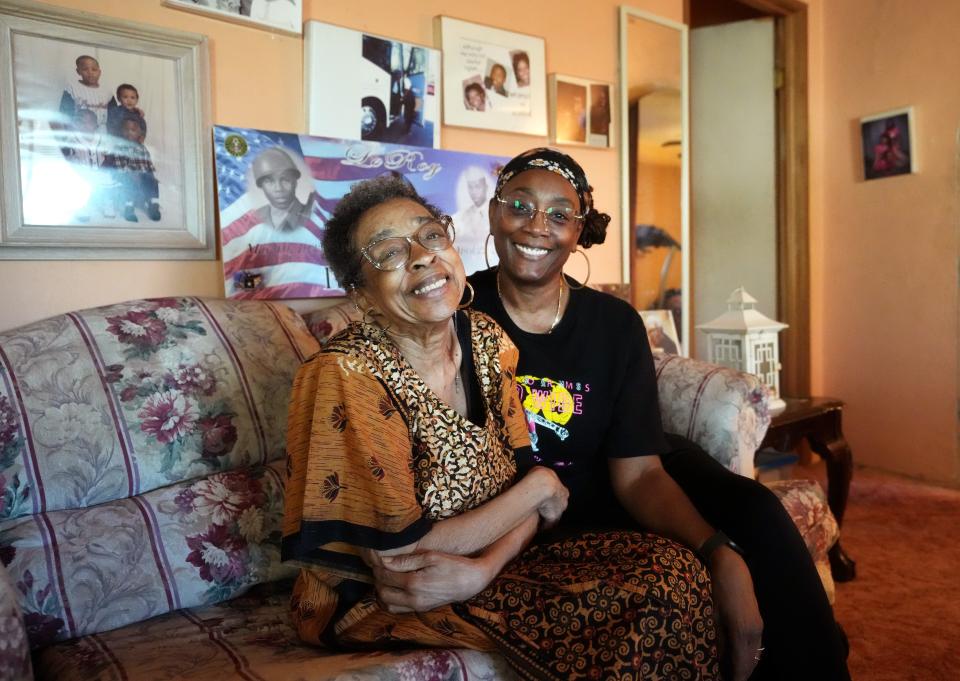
381, 89
581, 111
493, 79
283, 16
888, 144
661, 332
90, 174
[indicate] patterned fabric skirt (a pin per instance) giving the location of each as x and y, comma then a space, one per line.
606, 605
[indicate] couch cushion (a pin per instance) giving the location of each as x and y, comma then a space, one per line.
250, 638
82, 571
14, 649
110, 402
330, 321
806, 503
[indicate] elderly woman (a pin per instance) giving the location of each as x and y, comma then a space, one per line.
403, 438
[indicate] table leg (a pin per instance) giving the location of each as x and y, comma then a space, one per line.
839, 459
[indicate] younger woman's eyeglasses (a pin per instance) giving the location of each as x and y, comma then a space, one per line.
521, 211
393, 252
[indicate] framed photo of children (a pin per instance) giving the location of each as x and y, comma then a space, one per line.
104, 138
285, 16
580, 111
888, 144
492, 78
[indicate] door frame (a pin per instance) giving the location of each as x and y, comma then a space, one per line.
793, 188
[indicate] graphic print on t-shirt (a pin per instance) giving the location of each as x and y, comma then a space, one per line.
551, 405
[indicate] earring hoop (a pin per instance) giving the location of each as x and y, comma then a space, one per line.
486, 243
582, 252
469, 302
367, 317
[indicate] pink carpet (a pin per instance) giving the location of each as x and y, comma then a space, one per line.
902, 612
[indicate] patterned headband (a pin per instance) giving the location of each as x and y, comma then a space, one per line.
555, 161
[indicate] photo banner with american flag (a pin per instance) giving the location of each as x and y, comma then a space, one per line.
275, 192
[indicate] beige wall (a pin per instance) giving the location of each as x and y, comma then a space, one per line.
884, 252
257, 81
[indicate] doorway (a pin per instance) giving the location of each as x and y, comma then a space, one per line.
787, 239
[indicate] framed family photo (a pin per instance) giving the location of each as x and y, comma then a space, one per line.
363, 86
285, 16
492, 78
580, 111
887, 141
104, 138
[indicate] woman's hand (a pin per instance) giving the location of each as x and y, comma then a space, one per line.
416, 582
738, 610
555, 493
430, 579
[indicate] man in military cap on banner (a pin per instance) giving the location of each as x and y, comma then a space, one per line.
276, 175
277, 254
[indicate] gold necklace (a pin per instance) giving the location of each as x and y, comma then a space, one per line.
556, 318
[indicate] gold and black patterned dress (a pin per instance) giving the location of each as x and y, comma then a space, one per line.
375, 458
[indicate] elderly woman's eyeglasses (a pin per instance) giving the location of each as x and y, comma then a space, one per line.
393, 252
520, 212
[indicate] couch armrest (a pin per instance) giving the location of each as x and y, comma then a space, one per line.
14, 647
722, 410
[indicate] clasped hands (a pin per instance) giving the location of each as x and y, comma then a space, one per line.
426, 579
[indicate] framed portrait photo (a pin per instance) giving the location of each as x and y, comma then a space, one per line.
104, 138
364, 86
887, 144
285, 16
580, 111
492, 78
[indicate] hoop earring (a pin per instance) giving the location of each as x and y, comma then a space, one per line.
364, 314
469, 302
486, 256
367, 317
582, 252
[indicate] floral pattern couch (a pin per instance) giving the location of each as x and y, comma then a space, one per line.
141, 491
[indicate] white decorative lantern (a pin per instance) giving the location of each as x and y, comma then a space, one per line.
744, 339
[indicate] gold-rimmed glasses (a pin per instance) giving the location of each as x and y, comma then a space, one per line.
393, 252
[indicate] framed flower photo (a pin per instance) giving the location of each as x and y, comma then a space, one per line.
580, 111
104, 138
285, 16
888, 144
492, 78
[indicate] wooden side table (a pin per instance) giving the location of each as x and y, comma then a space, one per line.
818, 420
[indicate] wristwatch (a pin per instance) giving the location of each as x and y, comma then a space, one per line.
718, 539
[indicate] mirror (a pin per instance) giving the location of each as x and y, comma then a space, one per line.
655, 165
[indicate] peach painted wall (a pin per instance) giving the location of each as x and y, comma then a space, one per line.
257, 81
884, 253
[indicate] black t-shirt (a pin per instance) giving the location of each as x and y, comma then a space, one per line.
589, 391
